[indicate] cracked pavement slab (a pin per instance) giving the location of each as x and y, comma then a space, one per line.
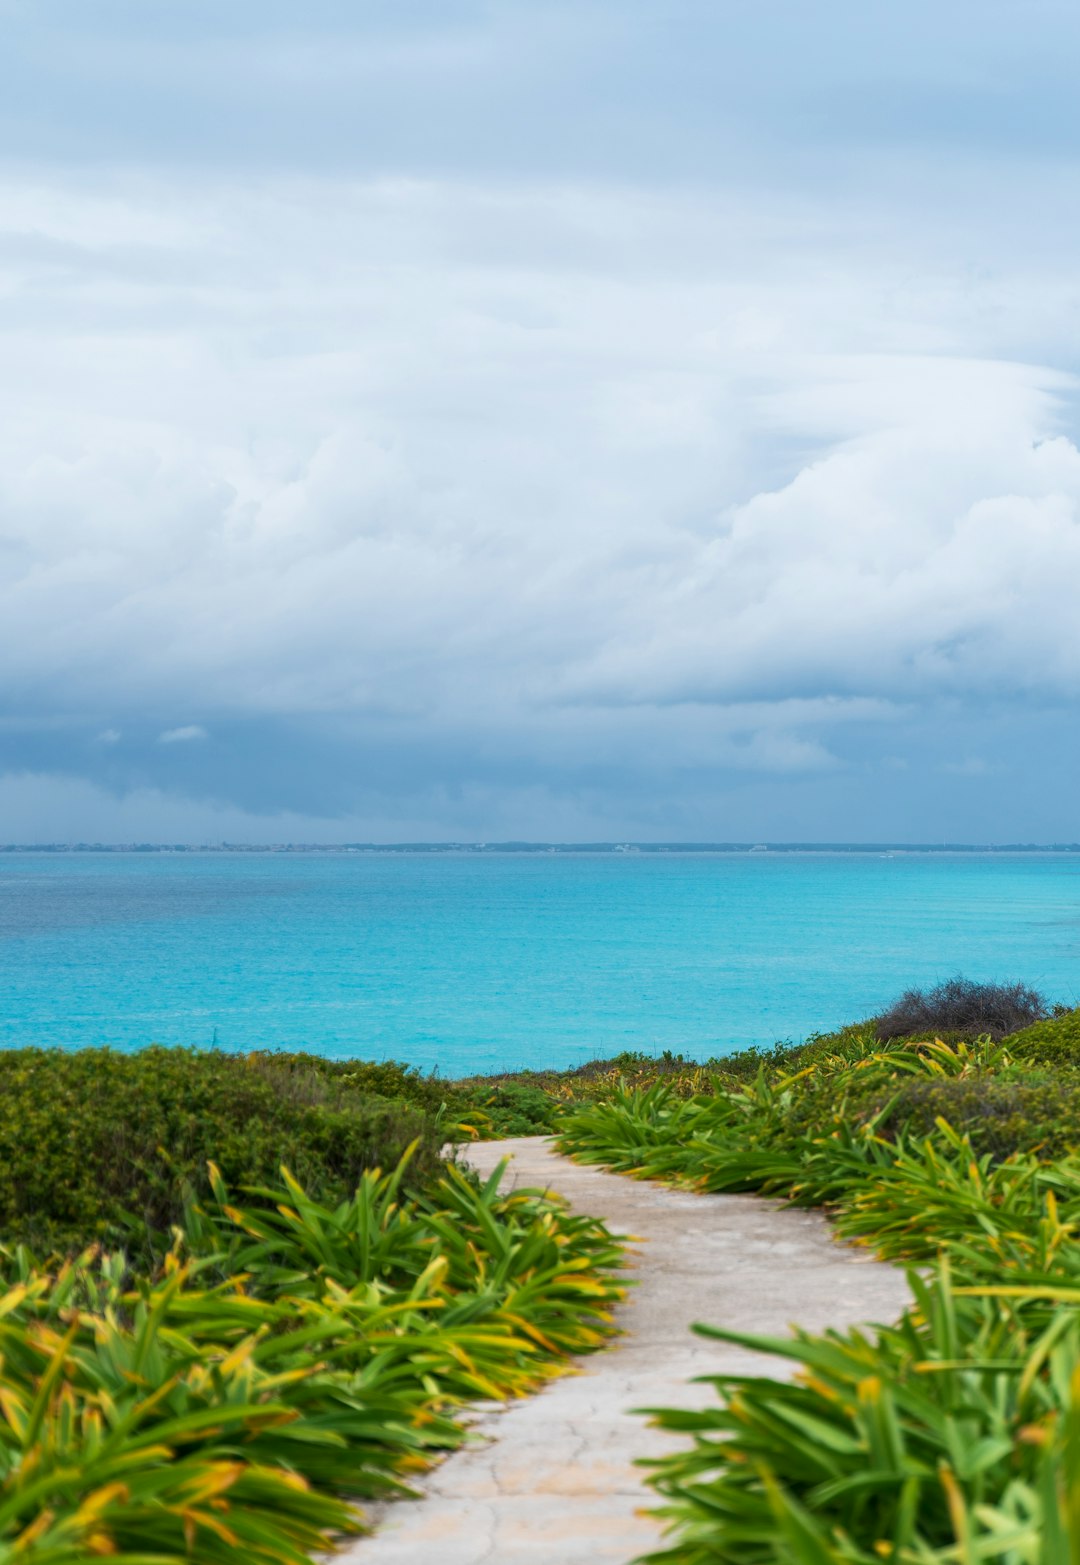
552, 1479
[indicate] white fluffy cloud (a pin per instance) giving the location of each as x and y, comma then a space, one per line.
546, 462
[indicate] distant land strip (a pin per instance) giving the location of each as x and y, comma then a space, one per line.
541, 847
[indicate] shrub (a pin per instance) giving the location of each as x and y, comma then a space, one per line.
94, 1141
549, 1092
1055, 1041
491, 1106
999, 1114
515, 1109
746, 1063
961, 1006
379, 1078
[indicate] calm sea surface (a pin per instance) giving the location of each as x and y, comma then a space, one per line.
468, 963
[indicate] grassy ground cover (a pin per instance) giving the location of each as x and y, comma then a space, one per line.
953, 1435
210, 1357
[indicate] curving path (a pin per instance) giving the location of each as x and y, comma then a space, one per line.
551, 1480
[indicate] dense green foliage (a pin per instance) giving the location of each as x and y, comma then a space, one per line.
954, 1435
288, 1357
484, 1106
951, 1436
274, 1328
1055, 1042
543, 1097
98, 1145
999, 1115
95, 1142
244, 1325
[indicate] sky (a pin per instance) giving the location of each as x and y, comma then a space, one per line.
620, 419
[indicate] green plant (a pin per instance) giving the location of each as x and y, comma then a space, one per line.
951, 1437
877, 1437
97, 1144
288, 1356
999, 1113
123, 1440
1054, 1042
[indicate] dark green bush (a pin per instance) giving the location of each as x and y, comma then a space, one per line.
501, 1106
1053, 1042
514, 1109
95, 1140
382, 1078
999, 1114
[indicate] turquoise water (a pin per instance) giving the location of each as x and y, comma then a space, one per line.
469, 962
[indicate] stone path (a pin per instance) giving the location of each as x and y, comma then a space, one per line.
551, 1480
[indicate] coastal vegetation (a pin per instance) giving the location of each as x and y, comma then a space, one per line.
241, 1294
962, 1005
98, 1145
204, 1355
952, 1435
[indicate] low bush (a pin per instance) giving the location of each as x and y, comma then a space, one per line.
998, 1114
366, 1078
96, 1143
961, 1006
1054, 1042
517, 1109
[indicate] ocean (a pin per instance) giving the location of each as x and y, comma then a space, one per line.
483, 962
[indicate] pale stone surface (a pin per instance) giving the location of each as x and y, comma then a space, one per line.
551, 1480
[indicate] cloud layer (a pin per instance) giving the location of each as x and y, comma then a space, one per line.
572, 499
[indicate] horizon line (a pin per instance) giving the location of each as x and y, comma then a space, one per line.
539, 845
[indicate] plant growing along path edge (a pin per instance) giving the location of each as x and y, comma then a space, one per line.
551, 1480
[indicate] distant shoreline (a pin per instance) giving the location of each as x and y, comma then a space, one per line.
616, 849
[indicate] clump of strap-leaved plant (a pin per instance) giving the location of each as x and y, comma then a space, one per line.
286, 1359
953, 1435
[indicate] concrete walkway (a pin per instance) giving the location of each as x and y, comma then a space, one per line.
551, 1480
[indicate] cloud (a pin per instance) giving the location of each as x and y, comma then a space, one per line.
47, 807
109, 736
41, 807
185, 735
587, 484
